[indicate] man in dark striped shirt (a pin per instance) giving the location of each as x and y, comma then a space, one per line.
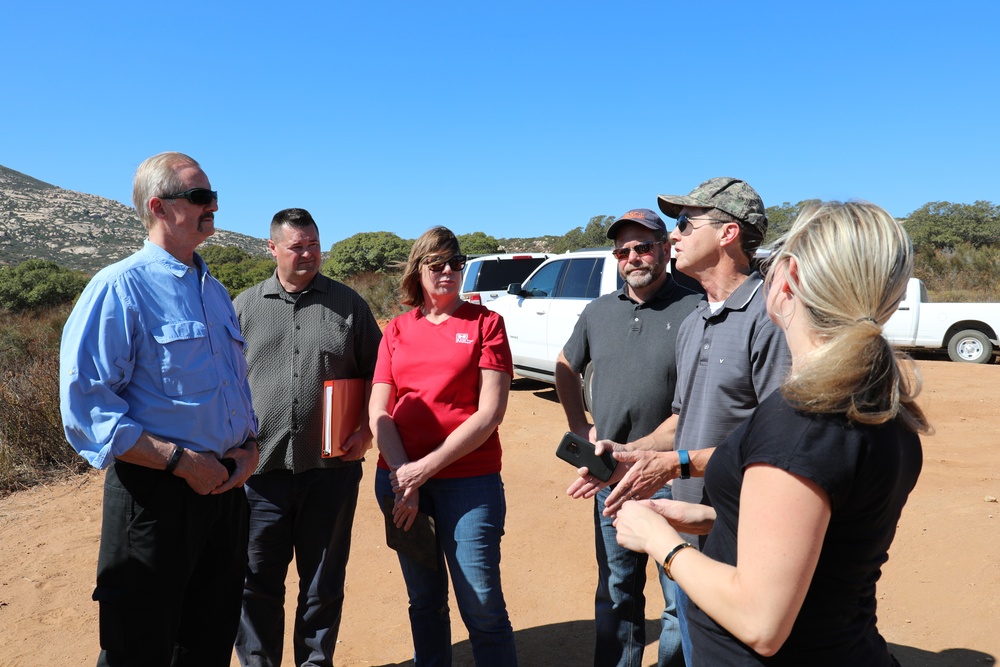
301, 329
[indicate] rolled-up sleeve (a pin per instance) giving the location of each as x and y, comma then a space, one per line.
96, 360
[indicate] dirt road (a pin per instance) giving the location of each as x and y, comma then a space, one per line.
939, 598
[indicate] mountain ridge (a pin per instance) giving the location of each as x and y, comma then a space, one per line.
77, 230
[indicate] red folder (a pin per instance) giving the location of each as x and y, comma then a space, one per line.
342, 403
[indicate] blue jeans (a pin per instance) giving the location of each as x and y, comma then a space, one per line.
469, 514
682, 603
311, 514
620, 604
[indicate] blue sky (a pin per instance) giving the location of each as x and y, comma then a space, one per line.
511, 118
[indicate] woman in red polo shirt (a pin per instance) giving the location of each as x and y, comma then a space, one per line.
439, 393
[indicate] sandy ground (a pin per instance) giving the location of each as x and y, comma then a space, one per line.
939, 598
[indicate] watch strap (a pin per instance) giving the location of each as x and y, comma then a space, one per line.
174, 459
685, 459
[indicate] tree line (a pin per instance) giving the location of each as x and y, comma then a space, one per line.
957, 246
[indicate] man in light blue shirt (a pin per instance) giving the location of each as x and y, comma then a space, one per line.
153, 387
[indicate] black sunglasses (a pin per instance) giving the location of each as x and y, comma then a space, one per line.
640, 249
683, 222
197, 196
456, 262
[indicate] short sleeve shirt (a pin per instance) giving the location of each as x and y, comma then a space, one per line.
727, 363
295, 342
631, 346
867, 472
433, 370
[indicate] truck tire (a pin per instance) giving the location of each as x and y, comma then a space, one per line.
588, 383
970, 346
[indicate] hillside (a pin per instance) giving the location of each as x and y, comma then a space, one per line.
74, 229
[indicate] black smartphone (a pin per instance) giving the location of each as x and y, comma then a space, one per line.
230, 465
580, 452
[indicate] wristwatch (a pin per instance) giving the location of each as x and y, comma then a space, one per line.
685, 460
175, 458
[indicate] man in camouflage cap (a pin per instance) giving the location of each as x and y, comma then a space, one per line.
730, 356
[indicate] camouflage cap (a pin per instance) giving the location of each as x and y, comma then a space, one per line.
640, 216
731, 195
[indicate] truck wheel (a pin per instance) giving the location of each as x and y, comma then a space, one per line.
970, 346
588, 382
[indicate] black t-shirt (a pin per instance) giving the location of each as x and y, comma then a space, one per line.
867, 472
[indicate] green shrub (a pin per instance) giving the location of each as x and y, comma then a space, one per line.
381, 291
965, 273
32, 444
36, 283
365, 252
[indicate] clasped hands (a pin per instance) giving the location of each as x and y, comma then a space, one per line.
406, 481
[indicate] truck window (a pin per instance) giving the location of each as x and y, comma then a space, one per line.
579, 282
498, 274
543, 283
471, 273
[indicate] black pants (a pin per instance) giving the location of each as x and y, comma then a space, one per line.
170, 570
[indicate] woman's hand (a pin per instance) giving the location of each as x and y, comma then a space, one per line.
641, 528
404, 510
685, 517
408, 476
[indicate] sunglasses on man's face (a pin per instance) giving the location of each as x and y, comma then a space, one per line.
683, 222
197, 196
456, 262
640, 249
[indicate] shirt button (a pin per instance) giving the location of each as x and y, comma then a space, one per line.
706, 346
637, 319
234, 413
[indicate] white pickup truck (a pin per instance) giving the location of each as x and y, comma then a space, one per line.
968, 330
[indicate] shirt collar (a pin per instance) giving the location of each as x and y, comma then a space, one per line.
740, 297
273, 287
172, 264
664, 292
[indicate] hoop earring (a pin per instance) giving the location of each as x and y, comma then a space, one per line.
782, 316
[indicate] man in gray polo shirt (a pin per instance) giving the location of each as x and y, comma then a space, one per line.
730, 356
629, 338
301, 329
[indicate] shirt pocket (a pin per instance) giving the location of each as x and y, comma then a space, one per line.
186, 365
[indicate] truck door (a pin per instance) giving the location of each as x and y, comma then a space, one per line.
901, 329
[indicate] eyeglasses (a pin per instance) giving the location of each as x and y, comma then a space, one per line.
456, 262
197, 196
640, 249
683, 222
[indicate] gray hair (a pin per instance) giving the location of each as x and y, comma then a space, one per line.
157, 176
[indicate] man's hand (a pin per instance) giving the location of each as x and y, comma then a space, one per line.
202, 471
647, 473
246, 457
355, 447
586, 485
